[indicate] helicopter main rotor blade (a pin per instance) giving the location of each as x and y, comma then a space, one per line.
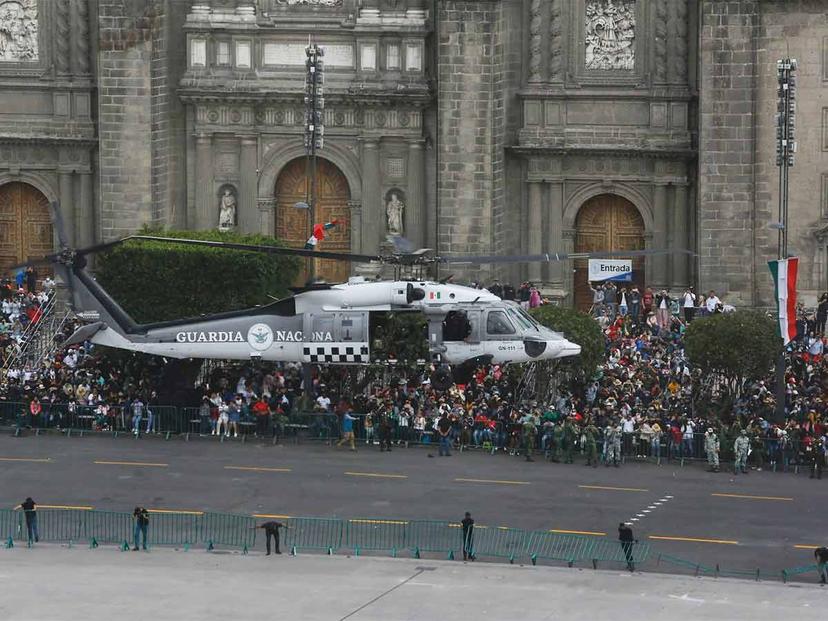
550, 257
277, 250
49, 259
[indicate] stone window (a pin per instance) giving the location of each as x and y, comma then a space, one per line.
392, 56
413, 57
223, 53
368, 58
243, 54
198, 53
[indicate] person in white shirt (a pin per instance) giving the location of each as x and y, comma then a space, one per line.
324, 403
712, 302
689, 304
815, 345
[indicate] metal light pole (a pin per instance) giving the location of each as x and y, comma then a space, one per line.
314, 127
785, 150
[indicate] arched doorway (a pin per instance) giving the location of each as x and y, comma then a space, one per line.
293, 225
606, 222
25, 224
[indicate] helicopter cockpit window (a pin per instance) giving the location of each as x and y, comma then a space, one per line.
498, 323
520, 319
456, 326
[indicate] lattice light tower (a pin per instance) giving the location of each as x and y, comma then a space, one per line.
314, 124
785, 140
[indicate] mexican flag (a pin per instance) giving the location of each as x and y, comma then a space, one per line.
784, 280
319, 234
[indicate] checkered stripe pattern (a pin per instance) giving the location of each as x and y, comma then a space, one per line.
336, 354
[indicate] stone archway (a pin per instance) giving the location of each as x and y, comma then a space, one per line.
25, 224
606, 222
293, 225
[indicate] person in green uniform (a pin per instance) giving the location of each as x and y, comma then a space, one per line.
591, 444
570, 434
530, 432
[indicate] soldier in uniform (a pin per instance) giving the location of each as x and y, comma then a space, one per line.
740, 452
569, 436
558, 441
711, 447
530, 432
816, 458
590, 444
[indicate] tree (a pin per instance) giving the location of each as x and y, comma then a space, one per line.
156, 281
732, 349
579, 328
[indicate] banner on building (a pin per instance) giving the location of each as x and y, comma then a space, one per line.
784, 280
610, 269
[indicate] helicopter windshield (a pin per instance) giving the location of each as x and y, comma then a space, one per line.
520, 319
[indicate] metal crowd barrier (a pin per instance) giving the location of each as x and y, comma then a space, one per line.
353, 535
165, 528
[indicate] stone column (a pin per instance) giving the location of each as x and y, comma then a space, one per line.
355, 208
415, 221
658, 276
374, 223
67, 205
86, 212
535, 233
266, 212
554, 233
681, 237
206, 204
247, 217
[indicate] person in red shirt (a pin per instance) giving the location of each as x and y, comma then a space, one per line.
260, 411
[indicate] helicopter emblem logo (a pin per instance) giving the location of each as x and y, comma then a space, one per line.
260, 336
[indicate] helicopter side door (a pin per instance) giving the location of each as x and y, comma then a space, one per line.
336, 338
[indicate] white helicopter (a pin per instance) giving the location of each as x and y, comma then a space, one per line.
323, 323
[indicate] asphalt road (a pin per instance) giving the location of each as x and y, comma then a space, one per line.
745, 522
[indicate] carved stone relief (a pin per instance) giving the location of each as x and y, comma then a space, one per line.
18, 30
610, 35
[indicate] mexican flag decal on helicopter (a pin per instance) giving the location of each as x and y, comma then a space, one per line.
434, 295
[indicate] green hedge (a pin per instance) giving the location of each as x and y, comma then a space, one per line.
156, 281
579, 328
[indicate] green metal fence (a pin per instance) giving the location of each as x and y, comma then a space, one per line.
237, 531
376, 535
314, 534
559, 547
433, 536
356, 535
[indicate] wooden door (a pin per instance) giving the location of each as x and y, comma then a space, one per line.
293, 225
25, 225
607, 223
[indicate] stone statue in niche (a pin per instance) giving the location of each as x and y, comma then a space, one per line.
610, 35
18, 30
394, 209
227, 209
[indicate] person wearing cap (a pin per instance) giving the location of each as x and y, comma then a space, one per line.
741, 448
711, 447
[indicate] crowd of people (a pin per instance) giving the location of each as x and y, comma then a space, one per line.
639, 405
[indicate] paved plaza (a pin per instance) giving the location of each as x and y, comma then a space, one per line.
104, 584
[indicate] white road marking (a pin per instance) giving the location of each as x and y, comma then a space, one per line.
645, 511
686, 598
639, 515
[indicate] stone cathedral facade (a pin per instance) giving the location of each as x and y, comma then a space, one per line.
476, 126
